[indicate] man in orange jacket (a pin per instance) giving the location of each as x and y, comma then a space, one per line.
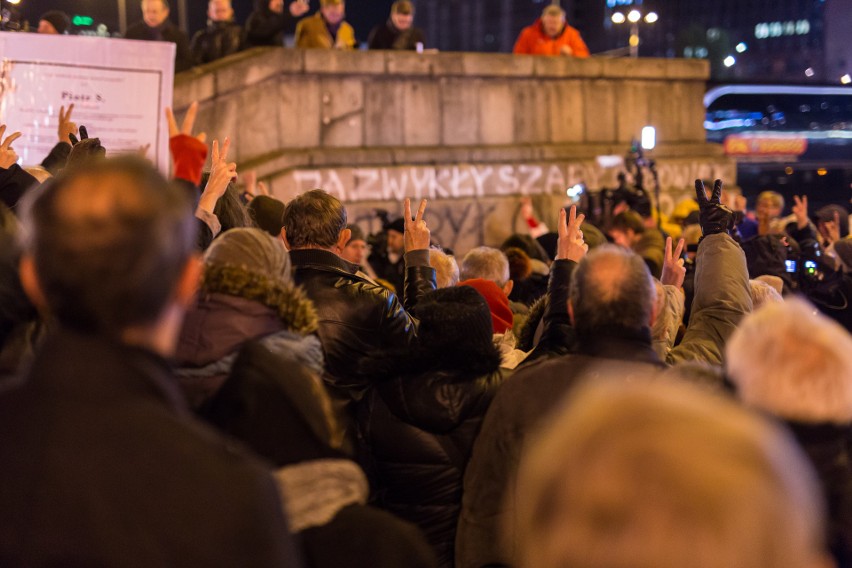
551, 35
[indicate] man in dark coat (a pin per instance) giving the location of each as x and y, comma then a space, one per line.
610, 308
103, 463
398, 32
222, 36
156, 26
421, 420
356, 316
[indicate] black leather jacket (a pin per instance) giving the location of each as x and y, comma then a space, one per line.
356, 315
217, 40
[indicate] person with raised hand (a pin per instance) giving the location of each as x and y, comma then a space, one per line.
58, 156
671, 299
189, 153
356, 315
722, 297
14, 181
557, 337
84, 149
604, 305
674, 271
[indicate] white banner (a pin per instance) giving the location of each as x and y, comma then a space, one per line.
119, 89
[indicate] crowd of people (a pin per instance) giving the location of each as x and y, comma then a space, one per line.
195, 373
326, 28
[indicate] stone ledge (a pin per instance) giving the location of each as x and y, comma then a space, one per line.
260, 63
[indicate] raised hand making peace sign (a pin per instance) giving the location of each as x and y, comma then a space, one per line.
188, 123
570, 244
674, 271
713, 216
7, 154
221, 174
417, 235
66, 128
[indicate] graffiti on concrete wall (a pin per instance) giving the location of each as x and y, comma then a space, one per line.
471, 205
353, 185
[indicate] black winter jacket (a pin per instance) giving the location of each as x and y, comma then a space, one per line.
217, 40
419, 431
165, 32
829, 448
117, 472
272, 403
265, 27
14, 183
387, 36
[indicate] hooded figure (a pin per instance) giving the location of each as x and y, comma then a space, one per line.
280, 409
246, 293
420, 423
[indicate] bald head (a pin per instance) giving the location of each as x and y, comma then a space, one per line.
612, 287
108, 243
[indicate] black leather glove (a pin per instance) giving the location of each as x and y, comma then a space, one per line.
713, 216
85, 149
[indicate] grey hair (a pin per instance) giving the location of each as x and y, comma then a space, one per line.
791, 361
612, 287
486, 263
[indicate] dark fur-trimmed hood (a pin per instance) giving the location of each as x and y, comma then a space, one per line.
288, 301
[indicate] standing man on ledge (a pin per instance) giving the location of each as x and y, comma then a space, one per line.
156, 26
551, 35
327, 28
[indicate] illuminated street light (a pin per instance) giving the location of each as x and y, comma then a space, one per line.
729, 61
635, 18
846, 79
809, 72
14, 1
741, 47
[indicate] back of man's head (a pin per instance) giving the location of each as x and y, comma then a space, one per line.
109, 243
314, 220
653, 472
794, 363
486, 263
612, 288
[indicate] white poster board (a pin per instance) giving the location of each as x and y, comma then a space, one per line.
119, 89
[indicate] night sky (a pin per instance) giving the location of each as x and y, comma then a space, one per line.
362, 14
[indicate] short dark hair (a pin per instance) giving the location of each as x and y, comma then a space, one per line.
611, 288
628, 220
314, 218
402, 7
109, 242
165, 4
